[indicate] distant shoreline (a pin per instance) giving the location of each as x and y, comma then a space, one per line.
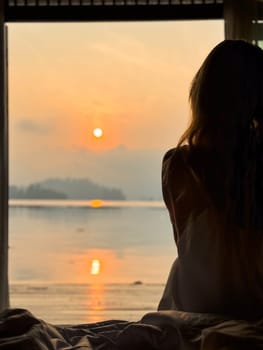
81, 203
67, 188
38, 285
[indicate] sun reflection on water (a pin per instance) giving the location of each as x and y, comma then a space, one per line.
95, 267
95, 302
96, 203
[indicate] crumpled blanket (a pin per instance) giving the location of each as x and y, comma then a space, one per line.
163, 330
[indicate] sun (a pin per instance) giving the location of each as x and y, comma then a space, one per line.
95, 267
98, 132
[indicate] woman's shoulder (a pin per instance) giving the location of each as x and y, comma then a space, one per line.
193, 158
176, 154
182, 178
174, 163
184, 165
176, 157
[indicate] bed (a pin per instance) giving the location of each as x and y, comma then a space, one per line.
163, 330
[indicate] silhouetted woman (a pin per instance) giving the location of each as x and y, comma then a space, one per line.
213, 189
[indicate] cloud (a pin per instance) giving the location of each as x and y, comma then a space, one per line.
30, 125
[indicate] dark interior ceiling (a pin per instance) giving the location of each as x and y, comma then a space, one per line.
111, 10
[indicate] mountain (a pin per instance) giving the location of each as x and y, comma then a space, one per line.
82, 188
70, 188
137, 173
34, 191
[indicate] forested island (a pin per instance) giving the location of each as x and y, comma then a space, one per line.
69, 188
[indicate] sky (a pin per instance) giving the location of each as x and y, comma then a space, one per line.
129, 79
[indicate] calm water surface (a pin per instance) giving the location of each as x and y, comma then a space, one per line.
83, 303
53, 244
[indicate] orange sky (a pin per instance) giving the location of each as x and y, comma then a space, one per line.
120, 76
130, 79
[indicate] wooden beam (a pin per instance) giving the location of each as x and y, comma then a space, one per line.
239, 16
4, 291
117, 12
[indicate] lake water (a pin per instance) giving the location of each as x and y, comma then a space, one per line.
53, 245
86, 303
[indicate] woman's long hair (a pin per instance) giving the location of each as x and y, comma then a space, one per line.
226, 99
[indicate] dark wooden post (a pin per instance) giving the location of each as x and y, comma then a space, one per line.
239, 16
4, 290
